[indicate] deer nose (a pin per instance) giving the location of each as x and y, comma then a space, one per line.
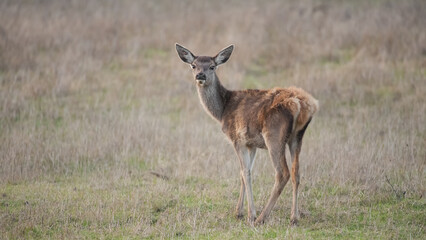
200, 76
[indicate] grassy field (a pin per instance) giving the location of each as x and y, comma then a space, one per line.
102, 135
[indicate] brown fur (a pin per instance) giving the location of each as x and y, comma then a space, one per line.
248, 112
252, 119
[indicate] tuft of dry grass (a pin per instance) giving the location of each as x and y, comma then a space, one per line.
93, 98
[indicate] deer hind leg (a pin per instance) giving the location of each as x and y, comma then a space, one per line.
295, 146
246, 156
276, 147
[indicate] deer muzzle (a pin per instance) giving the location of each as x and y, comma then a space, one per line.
201, 76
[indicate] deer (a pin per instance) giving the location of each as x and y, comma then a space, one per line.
252, 119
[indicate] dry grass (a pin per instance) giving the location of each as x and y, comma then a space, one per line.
93, 97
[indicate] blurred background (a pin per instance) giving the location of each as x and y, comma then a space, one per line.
96, 88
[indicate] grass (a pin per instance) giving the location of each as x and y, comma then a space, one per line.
139, 206
102, 135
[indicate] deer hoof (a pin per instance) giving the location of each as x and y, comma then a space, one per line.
294, 222
251, 220
259, 221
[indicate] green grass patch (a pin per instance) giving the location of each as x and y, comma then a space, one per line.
196, 207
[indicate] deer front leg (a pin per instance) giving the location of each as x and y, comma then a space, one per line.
244, 155
239, 209
240, 204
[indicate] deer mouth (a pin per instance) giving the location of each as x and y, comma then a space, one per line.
201, 82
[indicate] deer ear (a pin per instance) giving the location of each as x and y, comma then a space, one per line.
185, 54
223, 55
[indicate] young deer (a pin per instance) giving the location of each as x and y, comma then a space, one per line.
251, 119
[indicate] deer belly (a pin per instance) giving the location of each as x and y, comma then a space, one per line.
257, 142
250, 139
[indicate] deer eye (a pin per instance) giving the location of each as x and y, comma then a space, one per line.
212, 67
193, 66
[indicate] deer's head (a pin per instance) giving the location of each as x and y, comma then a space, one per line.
203, 67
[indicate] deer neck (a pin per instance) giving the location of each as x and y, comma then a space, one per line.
213, 98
